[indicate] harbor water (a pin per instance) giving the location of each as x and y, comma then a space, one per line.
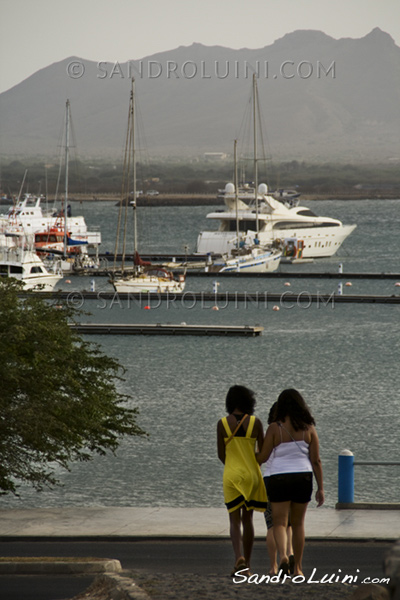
343, 358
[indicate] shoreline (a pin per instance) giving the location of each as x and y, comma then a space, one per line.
176, 199
183, 199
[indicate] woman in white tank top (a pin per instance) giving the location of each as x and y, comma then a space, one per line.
293, 443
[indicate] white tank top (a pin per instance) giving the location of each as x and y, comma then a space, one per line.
291, 457
266, 468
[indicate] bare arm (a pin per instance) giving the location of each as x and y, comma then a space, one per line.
317, 467
221, 442
259, 434
268, 444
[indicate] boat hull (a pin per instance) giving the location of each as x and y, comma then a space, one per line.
318, 242
26, 266
266, 262
43, 284
152, 285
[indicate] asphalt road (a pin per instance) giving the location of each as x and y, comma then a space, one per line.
361, 559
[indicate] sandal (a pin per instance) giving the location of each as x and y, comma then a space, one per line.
284, 568
291, 564
239, 565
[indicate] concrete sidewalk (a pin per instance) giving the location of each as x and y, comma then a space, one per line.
89, 522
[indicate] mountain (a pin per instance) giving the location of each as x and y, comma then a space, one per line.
321, 99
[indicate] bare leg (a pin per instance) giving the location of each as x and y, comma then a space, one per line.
280, 514
248, 534
289, 541
235, 533
271, 549
297, 516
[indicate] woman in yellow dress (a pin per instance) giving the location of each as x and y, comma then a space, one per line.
243, 485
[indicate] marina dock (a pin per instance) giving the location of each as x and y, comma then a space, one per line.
167, 329
77, 298
195, 264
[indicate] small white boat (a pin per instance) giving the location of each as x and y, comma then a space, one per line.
254, 260
26, 266
152, 280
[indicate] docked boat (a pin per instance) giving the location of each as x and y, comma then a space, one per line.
246, 253
147, 278
28, 217
272, 218
142, 276
25, 266
275, 221
255, 260
51, 231
53, 241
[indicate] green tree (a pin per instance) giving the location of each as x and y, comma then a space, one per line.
58, 393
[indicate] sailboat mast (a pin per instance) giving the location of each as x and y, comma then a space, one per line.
132, 142
236, 192
22, 186
255, 150
67, 116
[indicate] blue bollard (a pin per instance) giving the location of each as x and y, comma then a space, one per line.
346, 477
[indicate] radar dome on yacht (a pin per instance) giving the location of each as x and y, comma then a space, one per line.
229, 188
263, 188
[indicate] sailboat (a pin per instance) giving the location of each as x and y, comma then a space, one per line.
142, 276
272, 218
248, 254
57, 238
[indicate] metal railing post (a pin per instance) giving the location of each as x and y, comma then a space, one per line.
346, 477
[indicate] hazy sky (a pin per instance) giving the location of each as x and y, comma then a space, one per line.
36, 33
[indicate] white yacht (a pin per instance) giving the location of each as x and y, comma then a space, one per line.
302, 234
26, 266
27, 218
28, 215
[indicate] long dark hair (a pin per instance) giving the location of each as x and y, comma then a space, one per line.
272, 413
240, 397
291, 404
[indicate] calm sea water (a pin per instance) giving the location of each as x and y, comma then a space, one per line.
344, 358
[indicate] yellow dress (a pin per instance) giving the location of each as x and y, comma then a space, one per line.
242, 480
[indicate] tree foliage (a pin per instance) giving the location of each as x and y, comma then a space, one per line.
58, 397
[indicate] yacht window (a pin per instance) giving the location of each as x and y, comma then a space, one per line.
292, 225
297, 225
306, 213
15, 269
244, 225
36, 270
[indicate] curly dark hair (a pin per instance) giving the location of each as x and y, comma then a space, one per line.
291, 404
240, 397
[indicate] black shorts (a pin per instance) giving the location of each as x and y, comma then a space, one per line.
293, 487
268, 510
